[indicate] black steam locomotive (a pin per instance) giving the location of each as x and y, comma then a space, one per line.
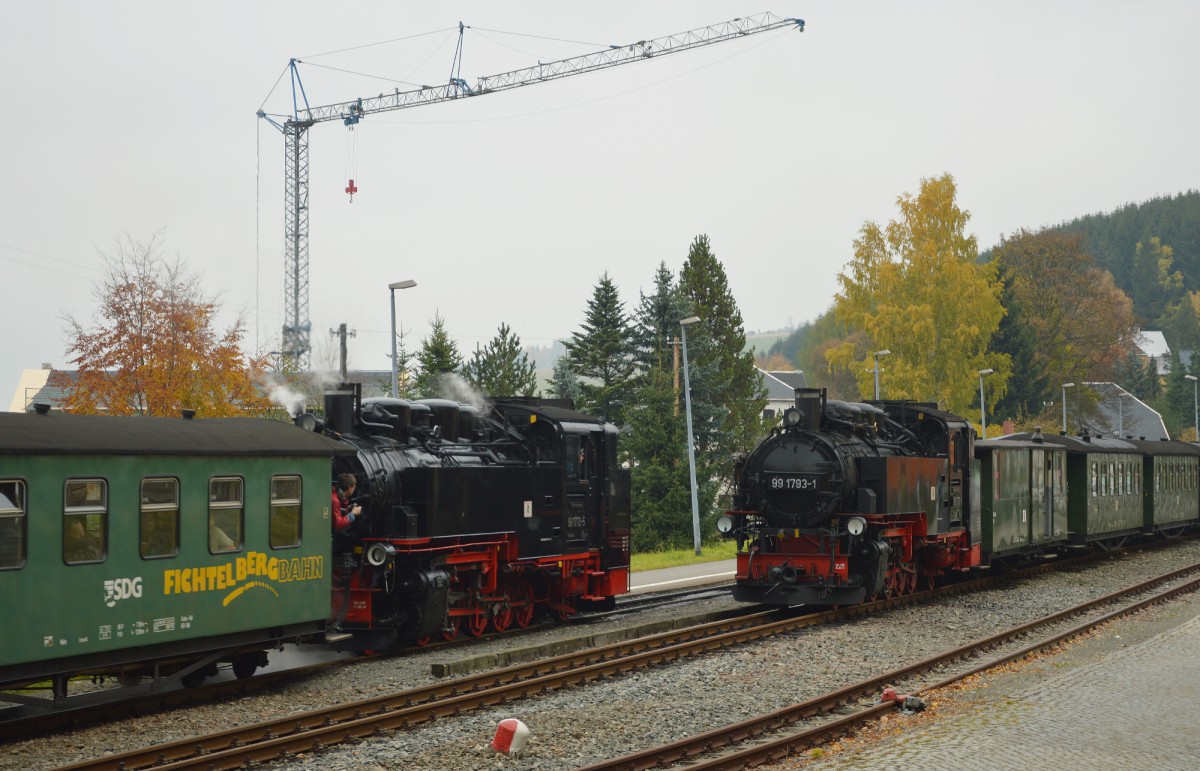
475, 518
846, 501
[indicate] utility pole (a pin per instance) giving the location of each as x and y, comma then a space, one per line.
342, 334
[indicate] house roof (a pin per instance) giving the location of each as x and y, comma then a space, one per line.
782, 385
1152, 342
1120, 412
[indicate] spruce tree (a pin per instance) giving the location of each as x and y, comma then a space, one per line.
502, 368
739, 386
600, 354
656, 418
564, 384
438, 356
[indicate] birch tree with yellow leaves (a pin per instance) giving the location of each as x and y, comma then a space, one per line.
915, 288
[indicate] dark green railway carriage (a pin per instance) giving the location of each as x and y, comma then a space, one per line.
1104, 483
1022, 496
1171, 493
129, 540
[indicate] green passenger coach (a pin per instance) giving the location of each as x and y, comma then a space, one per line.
1169, 504
140, 546
1022, 497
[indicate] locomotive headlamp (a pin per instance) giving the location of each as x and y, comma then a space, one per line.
791, 417
856, 525
724, 523
380, 553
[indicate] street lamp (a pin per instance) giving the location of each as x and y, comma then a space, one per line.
407, 283
1195, 410
982, 406
1121, 397
687, 404
877, 354
1065, 387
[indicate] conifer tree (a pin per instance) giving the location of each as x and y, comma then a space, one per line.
564, 384
657, 422
600, 354
438, 356
502, 368
739, 386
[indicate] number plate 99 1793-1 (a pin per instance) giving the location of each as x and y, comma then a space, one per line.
792, 482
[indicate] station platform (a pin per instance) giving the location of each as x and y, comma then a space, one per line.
1125, 697
682, 577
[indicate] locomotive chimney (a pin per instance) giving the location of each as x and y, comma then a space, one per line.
339, 411
811, 404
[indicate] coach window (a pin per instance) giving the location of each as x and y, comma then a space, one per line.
225, 514
12, 524
285, 512
85, 520
159, 524
1094, 479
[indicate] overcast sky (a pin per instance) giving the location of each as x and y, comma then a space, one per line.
139, 117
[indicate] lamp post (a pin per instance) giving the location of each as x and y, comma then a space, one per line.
982, 404
1065, 387
1195, 409
687, 404
877, 354
407, 283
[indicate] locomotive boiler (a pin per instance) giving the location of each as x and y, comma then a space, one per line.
847, 501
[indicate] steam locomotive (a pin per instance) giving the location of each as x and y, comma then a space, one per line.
475, 519
846, 502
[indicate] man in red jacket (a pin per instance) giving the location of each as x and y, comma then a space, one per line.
341, 497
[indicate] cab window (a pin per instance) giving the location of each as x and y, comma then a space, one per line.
12, 523
159, 523
85, 520
225, 514
285, 512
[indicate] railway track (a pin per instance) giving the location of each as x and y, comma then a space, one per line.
314, 730
777, 735
113, 704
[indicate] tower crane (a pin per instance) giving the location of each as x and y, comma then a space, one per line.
297, 327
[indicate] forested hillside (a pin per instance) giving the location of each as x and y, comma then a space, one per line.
1073, 295
1113, 240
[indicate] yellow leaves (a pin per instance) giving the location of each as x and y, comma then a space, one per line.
916, 290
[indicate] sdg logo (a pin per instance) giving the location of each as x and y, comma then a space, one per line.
121, 589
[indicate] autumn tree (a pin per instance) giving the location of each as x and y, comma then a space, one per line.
916, 288
437, 358
1078, 324
502, 368
600, 353
154, 348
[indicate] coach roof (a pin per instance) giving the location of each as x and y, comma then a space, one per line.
59, 433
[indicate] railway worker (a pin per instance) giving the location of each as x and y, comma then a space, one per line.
342, 491
78, 546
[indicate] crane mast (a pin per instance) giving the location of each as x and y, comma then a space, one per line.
297, 328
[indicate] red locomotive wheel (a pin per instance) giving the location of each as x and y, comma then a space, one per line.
522, 603
477, 624
503, 617
423, 641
